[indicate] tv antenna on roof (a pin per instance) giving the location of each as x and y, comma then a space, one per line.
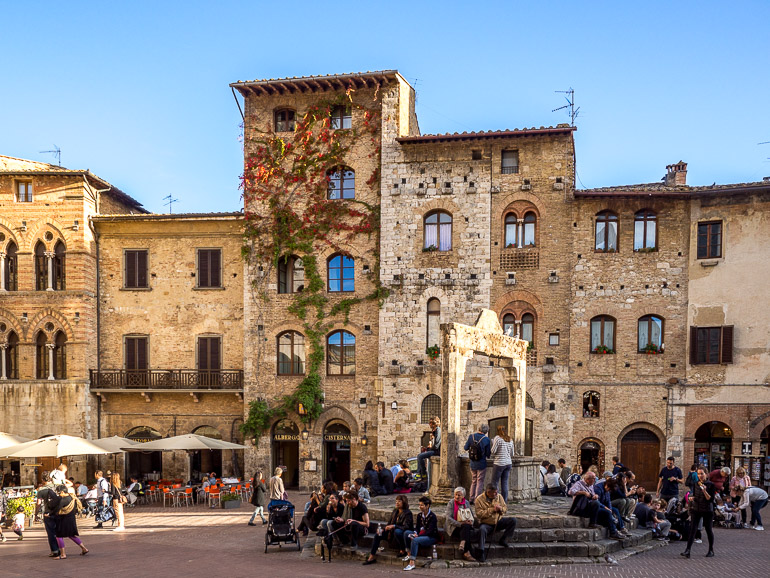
169, 202
570, 106
56, 152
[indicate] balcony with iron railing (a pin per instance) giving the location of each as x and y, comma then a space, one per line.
173, 380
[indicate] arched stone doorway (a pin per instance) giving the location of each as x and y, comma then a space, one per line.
206, 461
640, 452
336, 452
591, 453
713, 445
140, 463
285, 446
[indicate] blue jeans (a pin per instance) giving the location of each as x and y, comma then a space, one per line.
421, 464
755, 508
260, 510
500, 476
417, 541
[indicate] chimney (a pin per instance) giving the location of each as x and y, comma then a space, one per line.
676, 174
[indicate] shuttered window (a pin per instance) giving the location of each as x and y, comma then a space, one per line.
711, 345
209, 357
136, 269
209, 268
710, 240
136, 353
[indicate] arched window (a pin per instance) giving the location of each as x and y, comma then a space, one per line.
650, 331
284, 120
510, 231
591, 404
529, 229
500, 397
528, 327
606, 232
645, 230
603, 334
438, 231
41, 267
342, 183
509, 324
431, 407
341, 353
291, 275
341, 117
11, 267
12, 356
341, 276
60, 356
208, 431
291, 353
58, 267
41, 356
433, 336
143, 433
530, 402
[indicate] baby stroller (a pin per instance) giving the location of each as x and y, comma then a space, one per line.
105, 514
280, 524
89, 508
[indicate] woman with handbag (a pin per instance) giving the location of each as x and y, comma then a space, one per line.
118, 501
258, 498
459, 517
401, 521
67, 507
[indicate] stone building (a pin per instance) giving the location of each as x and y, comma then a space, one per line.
170, 336
48, 320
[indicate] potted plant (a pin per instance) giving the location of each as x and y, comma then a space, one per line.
430, 249
603, 349
433, 351
230, 501
651, 349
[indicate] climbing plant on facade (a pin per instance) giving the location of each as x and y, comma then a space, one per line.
289, 212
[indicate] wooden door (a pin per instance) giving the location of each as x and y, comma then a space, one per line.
640, 452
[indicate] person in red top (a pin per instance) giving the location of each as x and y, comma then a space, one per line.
720, 478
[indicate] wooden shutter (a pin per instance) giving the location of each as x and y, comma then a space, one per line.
727, 344
214, 357
203, 353
693, 345
130, 353
130, 268
141, 353
141, 269
215, 264
203, 268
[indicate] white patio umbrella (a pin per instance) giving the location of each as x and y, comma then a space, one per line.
7, 440
114, 444
189, 442
53, 446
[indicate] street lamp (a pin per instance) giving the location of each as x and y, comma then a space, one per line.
364, 439
304, 434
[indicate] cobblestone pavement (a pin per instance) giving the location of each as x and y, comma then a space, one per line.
214, 543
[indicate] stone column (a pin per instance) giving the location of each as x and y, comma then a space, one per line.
3, 369
50, 347
49, 255
516, 378
520, 231
2, 271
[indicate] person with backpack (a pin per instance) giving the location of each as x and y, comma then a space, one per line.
479, 448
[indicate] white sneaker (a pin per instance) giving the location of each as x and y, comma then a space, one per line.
405, 558
698, 541
760, 528
409, 566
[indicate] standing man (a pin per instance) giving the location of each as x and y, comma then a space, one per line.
669, 479
275, 486
490, 511
102, 495
49, 521
434, 448
478, 447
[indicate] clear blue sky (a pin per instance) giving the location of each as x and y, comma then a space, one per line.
138, 92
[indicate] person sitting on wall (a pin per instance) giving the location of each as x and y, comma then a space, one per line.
433, 449
372, 480
401, 479
386, 478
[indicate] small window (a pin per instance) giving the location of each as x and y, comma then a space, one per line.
645, 231
475, 155
430, 408
603, 334
433, 337
509, 324
24, 191
591, 402
284, 120
135, 269
438, 231
341, 353
711, 345
500, 397
341, 117
606, 232
553, 339
209, 268
650, 332
528, 327
291, 275
509, 162
291, 353
342, 183
510, 231
341, 274
529, 229
710, 240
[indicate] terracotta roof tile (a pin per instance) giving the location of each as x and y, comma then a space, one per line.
491, 134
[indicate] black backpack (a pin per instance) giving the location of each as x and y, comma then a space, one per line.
475, 453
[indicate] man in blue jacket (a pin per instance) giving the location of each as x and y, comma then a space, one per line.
478, 447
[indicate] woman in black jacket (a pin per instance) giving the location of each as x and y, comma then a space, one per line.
66, 525
702, 508
401, 520
372, 480
258, 498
